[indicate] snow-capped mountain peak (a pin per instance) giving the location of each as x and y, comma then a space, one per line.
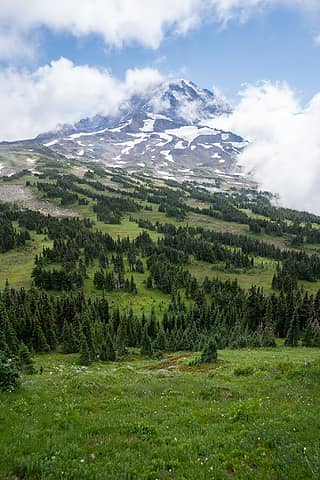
161, 129
181, 100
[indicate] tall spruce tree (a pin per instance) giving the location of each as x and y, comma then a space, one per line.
146, 346
267, 337
107, 352
85, 357
292, 339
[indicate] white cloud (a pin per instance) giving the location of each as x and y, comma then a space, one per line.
117, 21
226, 10
14, 46
140, 79
317, 40
62, 92
284, 155
121, 22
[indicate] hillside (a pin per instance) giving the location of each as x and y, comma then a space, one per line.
116, 292
227, 235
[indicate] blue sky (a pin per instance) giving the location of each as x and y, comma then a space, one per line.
277, 45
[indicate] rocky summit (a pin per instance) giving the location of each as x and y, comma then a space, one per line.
163, 130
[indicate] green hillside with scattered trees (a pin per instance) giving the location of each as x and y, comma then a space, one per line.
195, 313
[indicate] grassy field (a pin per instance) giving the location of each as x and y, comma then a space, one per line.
253, 415
16, 265
143, 301
261, 275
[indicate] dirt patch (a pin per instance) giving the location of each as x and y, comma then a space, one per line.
24, 197
79, 171
168, 362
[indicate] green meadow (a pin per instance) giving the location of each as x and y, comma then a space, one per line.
253, 415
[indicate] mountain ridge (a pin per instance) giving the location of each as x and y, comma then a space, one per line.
163, 129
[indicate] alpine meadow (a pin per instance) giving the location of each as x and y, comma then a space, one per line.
159, 246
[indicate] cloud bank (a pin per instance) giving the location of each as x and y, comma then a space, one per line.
62, 92
122, 22
284, 154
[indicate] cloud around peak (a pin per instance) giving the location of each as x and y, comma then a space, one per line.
62, 92
284, 153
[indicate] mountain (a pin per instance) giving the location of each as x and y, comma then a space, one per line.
162, 130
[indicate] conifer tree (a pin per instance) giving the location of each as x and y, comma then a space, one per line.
107, 352
69, 339
9, 376
210, 353
51, 332
3, 344
86, 329
152, 325
133, 329
267, 337
40, 343
25, 360
237, 338
292, 339
307, 334
122, 335
160, 342
85, 357
146, 346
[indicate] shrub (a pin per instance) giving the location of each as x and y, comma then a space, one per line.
209, 354
243, 371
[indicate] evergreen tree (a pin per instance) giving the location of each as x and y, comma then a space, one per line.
39, 342
146, 346
85, 357
3, 343
236, 338
210, 353
122, 335
160, 342
267, 337
69, 339
25, 360
307, 334
107, 352
9, 376
292, 339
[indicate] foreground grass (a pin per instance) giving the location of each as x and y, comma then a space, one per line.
254, 415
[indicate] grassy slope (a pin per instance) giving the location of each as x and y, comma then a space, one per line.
17, 265
147, 419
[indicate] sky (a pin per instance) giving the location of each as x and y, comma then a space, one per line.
64, 60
